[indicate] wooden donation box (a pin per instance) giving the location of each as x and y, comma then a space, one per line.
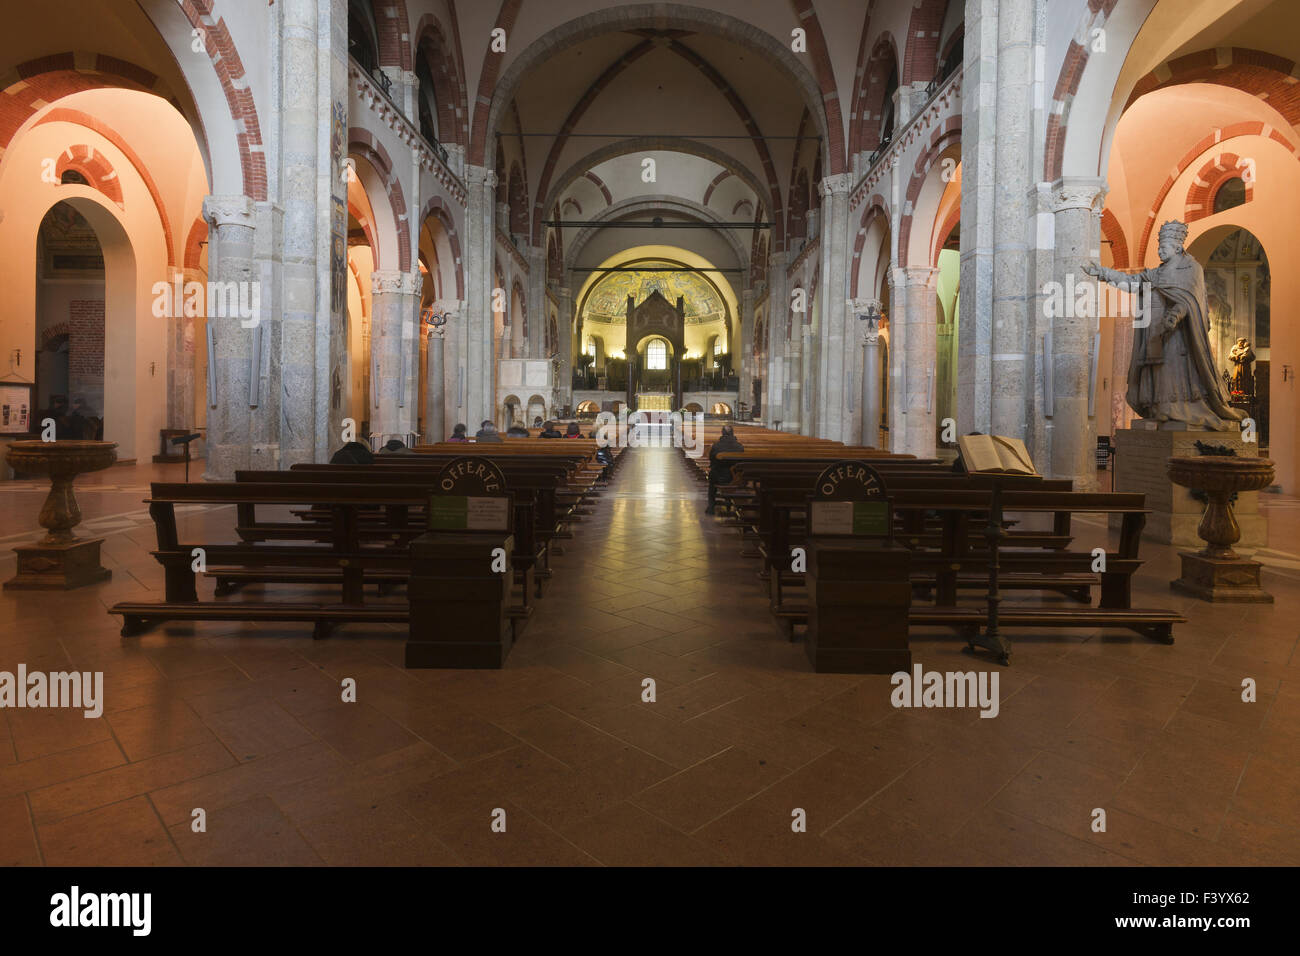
859, 589
460, 571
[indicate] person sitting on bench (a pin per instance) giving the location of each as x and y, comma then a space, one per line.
550, 431
517, 431
487, 432
353, 453
573, 431
459, 433
720, 474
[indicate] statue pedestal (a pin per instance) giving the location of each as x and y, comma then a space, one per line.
1142, 458
1221, 580
58, 567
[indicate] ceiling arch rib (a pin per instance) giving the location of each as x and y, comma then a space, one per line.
671, 42
661, 203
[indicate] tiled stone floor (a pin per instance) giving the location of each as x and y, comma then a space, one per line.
246, 722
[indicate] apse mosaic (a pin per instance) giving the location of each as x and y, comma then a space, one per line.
608, 299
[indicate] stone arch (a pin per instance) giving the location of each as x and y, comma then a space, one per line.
925, 207
653, 203
448, 79
495, 94
378, 177
874, 87
921, 58
437, 208
1213, 176
671, 144
93, 165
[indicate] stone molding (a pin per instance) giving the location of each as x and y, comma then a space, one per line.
392, 117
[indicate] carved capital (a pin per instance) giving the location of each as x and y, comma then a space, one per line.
389, 282
1079, 192
228, 211
838, 183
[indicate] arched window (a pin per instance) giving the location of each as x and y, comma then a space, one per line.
656, 354
363, 36
428, 98
1232, 193
72, 176
590, 345
887, 122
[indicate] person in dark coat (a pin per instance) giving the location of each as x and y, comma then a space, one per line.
353, 453
488, 432
720, 472
550, 431
459, 433
573, 431
517, 431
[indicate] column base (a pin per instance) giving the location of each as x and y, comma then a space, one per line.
1221, 580
58, 567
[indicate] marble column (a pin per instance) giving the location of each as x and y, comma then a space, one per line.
897, 369
920, 357
478, 359
1077, 230
793, 404
978, 216
395, 302
435, 410
564, 330
870, 335
1013, 211
539, 306
182, 332
835, 358
230, 259
742, 359
778, 323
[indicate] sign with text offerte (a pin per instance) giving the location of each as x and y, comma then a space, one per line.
469, 513
849, 499
471, 496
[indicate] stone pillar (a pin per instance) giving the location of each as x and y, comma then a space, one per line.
518, 347
793, 404
832, 419
742, 360
978, 215
778, 322
1077, 229
897, 370
230, 259
394, 310
920, 358
435, 411
1012, 213
538, 306
870, 384
181, 351
564, 330
477, 360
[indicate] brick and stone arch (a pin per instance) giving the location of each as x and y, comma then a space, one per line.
1208, 142
437, 208
1114, 234
34, 84
447, 72
1210, 178
94, 166
64, 115
921, 57
872, 98
1267, 76
943, 141
194, 241
714, 184
378, 176
1094, 17
394, 36
799, 207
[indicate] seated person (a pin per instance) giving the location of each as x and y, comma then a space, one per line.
353, 453
720, 473
573, 431
550, 431
487, 432
517, 431
395, 446
459, 433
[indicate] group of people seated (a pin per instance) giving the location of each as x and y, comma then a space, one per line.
488, 431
